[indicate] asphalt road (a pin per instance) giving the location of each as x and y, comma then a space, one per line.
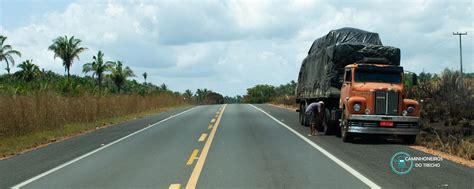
221, 146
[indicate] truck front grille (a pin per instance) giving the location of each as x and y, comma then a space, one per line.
386, 103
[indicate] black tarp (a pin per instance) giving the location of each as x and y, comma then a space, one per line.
322, 70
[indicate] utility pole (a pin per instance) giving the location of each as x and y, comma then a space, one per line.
460, 55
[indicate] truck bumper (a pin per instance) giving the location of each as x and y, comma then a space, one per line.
402, 125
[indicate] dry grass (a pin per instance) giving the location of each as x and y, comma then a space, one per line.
286, 102
20, 115
454, 139
457, 159
13, 145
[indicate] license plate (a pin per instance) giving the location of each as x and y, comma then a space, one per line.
386, 124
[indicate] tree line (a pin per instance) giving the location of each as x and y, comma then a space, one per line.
68, 49
265, 93
106, 76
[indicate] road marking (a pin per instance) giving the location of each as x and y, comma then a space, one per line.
192, 157
213, 120
203, 137
94, 151
209, 127
175, 186
326, 153
193, 179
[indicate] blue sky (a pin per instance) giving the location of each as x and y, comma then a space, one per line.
229, 46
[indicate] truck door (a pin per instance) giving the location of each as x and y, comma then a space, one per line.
346, 86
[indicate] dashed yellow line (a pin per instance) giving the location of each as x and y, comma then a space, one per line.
192, 182
209, 127
175, 186
203, 137
192, 157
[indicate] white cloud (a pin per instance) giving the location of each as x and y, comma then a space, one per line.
228, 46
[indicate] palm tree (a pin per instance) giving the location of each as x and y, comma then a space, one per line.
188, 94
6, 53
67, 49
145, 75
164, 87
28, 70
120, 74
201, 93
97, 67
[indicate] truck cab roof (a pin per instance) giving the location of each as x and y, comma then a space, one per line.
376, 67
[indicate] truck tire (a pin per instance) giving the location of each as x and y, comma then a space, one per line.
408, 139
327, 127
346, 136
305, 117
301, 114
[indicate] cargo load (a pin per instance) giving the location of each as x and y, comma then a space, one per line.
321, 71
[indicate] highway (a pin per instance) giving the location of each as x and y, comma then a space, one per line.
221, 146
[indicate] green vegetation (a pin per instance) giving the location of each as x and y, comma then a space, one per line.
267, 93
6, 53
39, 106
98, 67
145, 75
119, 75
67, 50
447, 112
29, 71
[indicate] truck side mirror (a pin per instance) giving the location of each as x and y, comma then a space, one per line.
414, 79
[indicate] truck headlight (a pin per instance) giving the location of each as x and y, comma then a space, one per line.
410, 109
404, 113
356, 107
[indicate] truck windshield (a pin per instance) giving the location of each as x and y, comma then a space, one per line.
377, 76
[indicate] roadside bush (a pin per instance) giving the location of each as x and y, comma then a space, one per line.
447, 112
288, 101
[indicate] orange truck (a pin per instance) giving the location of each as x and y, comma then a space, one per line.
360, 82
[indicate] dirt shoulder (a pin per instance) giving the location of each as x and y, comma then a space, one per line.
289, 107
457, 159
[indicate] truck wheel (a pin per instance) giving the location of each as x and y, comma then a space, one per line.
346, 136
408, 139
305, 117
301, 115
327, 127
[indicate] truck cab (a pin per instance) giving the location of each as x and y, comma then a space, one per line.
373, 101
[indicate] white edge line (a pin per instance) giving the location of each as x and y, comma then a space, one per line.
326, 153
93, 151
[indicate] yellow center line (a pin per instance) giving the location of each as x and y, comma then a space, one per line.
192, 182
175, 186
209, 127
192, 157
203, 137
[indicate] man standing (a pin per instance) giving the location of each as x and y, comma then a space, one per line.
315, 114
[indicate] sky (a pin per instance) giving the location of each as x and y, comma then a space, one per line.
229, 46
